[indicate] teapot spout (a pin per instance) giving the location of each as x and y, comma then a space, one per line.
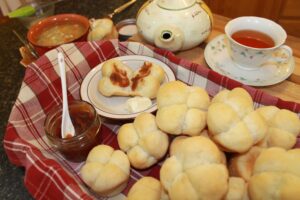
168, 37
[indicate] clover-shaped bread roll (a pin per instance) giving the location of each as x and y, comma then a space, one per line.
102, 29
120, 80
194, 170
106, 170
276, 175
283, 127
143, 142
181, 108
147, 188
232, 121
241, 165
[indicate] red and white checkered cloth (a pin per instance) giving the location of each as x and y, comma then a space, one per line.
48, 175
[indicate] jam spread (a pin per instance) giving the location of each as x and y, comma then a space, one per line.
119, 77
143, 72
74, 148
81, 120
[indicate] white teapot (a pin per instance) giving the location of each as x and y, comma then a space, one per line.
174, 24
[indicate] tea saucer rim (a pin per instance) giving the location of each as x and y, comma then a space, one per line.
290, 65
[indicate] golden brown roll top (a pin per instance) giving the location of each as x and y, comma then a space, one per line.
106, 170
143, 142
181, 108
232, 121
276, 175
194, 170
283, 127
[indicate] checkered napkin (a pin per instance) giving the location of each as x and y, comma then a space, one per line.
48, 175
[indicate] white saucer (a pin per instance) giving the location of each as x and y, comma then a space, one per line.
115, 107
217, 56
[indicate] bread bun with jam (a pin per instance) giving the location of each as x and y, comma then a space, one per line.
118, 79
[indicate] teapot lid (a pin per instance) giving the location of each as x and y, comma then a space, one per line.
175, 4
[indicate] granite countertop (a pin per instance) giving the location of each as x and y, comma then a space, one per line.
12, 73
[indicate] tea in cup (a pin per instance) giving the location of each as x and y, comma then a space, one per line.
256, 41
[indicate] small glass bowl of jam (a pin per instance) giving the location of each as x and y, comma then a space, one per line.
87, 130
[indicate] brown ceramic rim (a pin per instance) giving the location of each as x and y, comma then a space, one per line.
37, 28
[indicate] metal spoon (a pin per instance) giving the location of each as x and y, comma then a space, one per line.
67, 128
121, 8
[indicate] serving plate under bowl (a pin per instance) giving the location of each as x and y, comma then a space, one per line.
115, 107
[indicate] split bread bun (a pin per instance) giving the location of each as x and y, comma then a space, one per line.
119, 79
147, 188
181, 108
143, 142
194, 170
232, 121
115, 78
106, 170
276, 175
283, 127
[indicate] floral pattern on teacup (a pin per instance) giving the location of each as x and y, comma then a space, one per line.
246, 56
219, 46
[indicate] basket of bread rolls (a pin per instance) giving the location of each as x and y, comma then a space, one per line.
219, 147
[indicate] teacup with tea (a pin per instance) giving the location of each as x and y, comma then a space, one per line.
256, 41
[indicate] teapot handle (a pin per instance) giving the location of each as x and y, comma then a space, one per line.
168, 37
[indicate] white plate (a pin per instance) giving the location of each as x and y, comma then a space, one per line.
217, 56
115, 107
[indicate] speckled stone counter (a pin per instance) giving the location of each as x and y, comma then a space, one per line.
12, 73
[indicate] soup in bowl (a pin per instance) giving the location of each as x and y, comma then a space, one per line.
56, 30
